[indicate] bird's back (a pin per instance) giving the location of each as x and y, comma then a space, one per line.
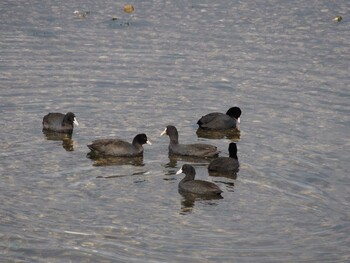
196, 149
224, 164
216, 121
54, 122
114, 147
199, 187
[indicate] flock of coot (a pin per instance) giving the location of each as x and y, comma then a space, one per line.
64, 123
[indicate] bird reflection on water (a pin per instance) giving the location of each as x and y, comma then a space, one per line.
66, 138
232, 175
113, 160
199, 161
232, 134
188, 201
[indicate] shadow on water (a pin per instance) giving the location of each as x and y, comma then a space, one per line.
233, 135
188, 201
173, 159
117, 22
232, 175
112, 160
66, 138
124, 175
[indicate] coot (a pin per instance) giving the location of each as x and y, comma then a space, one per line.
196, 149
199, 187
226, 164
221, 121
59, 122
117, 147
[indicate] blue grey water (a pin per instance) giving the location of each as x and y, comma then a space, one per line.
285, 63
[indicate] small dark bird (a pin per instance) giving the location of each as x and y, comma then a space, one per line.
199, 187
221, 121
227, 165
58, 122
120, 148
195, 149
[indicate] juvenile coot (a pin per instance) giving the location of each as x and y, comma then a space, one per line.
59, 122
226, 164
65, 138
189, 185
221, 121
196, 149
117, 147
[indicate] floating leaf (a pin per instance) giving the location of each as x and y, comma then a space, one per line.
128, 8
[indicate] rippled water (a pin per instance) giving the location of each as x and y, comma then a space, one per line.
285, 63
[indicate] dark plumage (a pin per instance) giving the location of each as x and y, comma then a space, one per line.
196, 149
117, 147
221, 121
199, 187
59, 122
226, 164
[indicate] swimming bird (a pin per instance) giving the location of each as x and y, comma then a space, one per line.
221, 121
195, 149
58, 122
227, 165
120, 148
199, 187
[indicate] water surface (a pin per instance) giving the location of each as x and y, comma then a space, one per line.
286, 64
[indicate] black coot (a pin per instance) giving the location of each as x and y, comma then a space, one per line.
196, 149
117, 147
199, 187
58, 122
226, 164
221, 121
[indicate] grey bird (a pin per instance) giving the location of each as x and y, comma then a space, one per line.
120, 148
59, 122
221, 121
195, 149
188, 185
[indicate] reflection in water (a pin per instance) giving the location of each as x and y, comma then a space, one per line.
112, 160
173, 159
229, 185
290, 200
66, 138
188, 201
232, 175
232, 134
124, 175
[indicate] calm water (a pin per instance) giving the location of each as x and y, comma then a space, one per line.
285, 63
